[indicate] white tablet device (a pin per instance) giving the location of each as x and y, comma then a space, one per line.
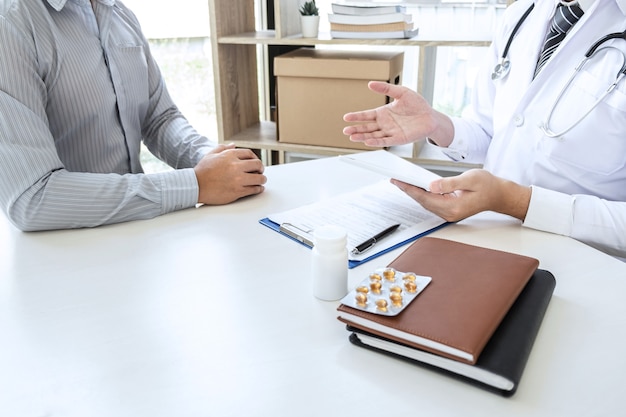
393, 166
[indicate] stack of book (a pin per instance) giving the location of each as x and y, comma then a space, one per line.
370, 21
476, 320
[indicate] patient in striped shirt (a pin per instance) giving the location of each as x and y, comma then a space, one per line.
79, 93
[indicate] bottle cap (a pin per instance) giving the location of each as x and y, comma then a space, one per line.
331, 234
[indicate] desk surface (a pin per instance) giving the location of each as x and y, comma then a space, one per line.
205, 312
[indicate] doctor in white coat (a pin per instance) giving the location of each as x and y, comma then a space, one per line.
552, 145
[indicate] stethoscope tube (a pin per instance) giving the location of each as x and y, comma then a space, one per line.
616, 35
502, 69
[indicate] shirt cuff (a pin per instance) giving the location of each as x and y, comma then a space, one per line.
454, 154
179, 189
457, 150
550, 211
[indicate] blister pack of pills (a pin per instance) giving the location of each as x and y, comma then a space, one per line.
386, 291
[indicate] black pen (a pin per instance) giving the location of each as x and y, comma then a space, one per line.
359, 249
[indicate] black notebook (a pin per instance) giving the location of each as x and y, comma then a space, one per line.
500, 365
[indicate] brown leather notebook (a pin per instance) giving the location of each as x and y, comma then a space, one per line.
471, 291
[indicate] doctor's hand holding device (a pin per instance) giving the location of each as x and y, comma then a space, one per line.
547, 121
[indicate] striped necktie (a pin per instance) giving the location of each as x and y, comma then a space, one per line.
564, 18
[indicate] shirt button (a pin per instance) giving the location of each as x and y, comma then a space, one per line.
518, 120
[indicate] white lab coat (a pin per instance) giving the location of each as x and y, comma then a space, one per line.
579, 181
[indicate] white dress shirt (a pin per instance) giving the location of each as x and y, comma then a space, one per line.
579, 180
79, 92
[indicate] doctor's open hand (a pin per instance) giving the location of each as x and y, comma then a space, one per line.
406, 119
456, 198
227, 174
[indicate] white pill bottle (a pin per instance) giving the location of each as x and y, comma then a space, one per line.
329, 263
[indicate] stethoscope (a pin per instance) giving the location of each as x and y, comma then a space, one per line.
504, 66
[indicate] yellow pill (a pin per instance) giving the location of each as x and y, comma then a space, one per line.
363, 289
381, 305
389, 274
376, 286
361, 299
409, 277
375, 277
396, 299
395, 289
410, 286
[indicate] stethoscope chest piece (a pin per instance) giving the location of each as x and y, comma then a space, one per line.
501, 70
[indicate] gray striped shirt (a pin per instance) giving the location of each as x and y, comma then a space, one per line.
79, 92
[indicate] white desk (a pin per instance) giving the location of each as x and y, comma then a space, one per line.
205, 312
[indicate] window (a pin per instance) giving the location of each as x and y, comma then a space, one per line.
179, 41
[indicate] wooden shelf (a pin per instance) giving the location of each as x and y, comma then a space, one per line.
428, 40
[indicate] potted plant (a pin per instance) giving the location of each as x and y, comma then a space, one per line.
310, 18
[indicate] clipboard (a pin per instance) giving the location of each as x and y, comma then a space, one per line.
305, 238
364, 213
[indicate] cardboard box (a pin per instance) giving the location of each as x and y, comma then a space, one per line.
315, 88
